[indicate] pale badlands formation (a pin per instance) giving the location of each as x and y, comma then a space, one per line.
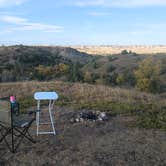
106, 50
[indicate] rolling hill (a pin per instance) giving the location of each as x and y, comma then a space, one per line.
43, 63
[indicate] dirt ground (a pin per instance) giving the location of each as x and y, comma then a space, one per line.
111, 143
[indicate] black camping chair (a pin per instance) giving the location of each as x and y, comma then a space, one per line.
13, 125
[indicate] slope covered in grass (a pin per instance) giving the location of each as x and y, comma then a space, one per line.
150, 109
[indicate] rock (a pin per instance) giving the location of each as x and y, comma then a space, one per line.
72, 120
77, 119
100, 119
81, 120
102, 116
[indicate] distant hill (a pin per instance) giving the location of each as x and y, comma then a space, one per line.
44, 63
30, 62
108, 49
47, 54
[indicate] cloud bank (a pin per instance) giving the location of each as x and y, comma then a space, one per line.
99, 13
23, 24
120, 3
6, 3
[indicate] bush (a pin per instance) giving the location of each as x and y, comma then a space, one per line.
110, 68
153, 119
112, 58
124, 52
88, 77
50, 72
110, 79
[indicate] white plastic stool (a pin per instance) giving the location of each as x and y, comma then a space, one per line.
51, 97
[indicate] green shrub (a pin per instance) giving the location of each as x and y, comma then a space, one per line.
110, 68
153, 119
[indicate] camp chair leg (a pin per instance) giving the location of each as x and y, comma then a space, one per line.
30, 138
4, 138
24, 133
12, 147
22, 136
4, 135
7, 131
12, 141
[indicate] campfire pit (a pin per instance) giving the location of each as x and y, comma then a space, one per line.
89, 116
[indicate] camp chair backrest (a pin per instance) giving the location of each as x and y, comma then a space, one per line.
8, 111
15, 108
5, 112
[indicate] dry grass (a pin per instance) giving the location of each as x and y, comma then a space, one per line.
76, 93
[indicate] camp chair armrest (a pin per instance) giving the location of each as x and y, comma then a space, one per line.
7, 98
33, 112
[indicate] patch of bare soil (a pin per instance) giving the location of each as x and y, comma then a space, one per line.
108, 143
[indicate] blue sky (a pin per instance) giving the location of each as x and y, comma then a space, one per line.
86, 22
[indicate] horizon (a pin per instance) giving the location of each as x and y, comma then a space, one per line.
85, 45
83, 23
104, 49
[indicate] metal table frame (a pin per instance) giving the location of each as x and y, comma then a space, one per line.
51, 97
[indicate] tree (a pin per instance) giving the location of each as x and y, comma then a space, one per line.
148, 75
63, 68
126, 78
110, 79
88, 77
7, 76
75, 73
95, 65
120, 79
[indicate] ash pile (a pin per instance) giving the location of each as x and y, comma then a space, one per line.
89, 116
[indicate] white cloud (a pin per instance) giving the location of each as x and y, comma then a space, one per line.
39, 27
24, 25
5, 3
89, 3
13, 19
99, 13
120, 3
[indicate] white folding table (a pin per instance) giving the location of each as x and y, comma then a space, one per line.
51, 97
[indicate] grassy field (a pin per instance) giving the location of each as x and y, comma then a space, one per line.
149, 109
122, 140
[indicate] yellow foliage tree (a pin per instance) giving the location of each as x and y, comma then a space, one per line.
148, 75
